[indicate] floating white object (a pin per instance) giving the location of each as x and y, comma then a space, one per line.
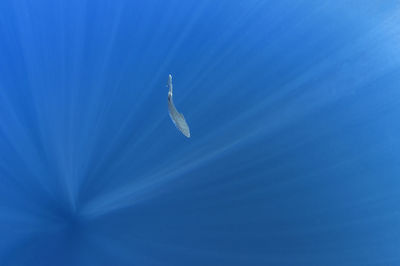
176, 117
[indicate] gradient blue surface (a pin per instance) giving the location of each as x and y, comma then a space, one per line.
293, 107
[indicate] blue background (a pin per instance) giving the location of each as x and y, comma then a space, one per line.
294, 112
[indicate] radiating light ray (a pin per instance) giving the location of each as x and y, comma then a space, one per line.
34, 83
148, 184
15, 140
289, 122
156, 124
323, 67
216, 56
231, 145
294, 118
292, 108
162, 69
106, 105
289, 86
153, 85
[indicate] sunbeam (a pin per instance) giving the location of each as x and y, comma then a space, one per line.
293, 151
